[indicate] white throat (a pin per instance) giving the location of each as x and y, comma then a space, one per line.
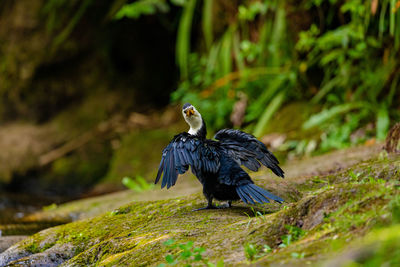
194, 129
195, 122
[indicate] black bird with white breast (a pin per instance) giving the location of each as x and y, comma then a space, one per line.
216, 164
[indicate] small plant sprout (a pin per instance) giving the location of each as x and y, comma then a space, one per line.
138, 184
354, 176
186, 254
267, 249
296, 255
294, 234
250, 251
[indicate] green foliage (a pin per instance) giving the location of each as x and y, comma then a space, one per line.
346, 63
394, 207
234, 65
142, 7
63, 16
252, 253
139, 184
356, 78
294, 234
355, 88
187, 254
297, 255
183, 37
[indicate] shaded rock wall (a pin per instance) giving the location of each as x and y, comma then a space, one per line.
53, 53
66, 67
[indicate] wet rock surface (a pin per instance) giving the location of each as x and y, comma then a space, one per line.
8, 241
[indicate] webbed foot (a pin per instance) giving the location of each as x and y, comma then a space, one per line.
225, 206
209, 207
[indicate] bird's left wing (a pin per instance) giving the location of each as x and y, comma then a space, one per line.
184, 151
246, 150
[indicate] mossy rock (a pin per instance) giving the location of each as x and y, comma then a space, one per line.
289, 120
330, 211
138, 154
392, 142
381, 247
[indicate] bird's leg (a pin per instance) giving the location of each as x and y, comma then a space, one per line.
229, 203
209, 204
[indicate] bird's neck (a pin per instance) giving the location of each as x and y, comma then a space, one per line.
199, 130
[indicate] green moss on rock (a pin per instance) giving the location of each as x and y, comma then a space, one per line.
350, 203
138, 154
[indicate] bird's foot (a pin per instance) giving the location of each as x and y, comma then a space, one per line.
225, 206
209, 207
212, 207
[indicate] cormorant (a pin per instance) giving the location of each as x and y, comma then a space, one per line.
216, 164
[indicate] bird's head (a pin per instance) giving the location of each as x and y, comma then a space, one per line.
192, 117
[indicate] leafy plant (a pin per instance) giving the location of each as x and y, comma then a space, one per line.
137, 185
187, 254
234, 64
346, 63
357, 84
294, 234
394, 207
297, 255
142, 7
252, 253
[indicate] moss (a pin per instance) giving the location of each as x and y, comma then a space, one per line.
32, 248
348, 204
130, 160
290, 121
81, 169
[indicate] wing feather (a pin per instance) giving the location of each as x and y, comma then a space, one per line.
186, 151
160, 170
246, 150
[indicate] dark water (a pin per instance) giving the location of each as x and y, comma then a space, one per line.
13, 208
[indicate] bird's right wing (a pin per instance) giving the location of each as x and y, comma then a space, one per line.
184, 151
246, 150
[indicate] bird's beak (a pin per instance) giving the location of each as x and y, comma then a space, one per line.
189, 112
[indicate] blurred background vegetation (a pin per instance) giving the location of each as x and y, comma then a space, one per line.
91, 83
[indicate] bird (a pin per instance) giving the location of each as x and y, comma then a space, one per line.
217, 163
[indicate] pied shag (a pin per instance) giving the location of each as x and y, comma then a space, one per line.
216, 164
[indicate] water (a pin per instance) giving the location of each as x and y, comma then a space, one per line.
13, 208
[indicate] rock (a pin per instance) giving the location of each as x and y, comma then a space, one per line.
336, 206
8, 241
392, 143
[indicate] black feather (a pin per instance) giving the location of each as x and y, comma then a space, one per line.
248, 149
217, 164
246, 194
256, 195
160, 170
266, 193
241, 195
166, 171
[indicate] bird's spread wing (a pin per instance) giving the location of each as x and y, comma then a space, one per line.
246, 150
184, 151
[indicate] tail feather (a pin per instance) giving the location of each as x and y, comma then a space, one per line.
261, 197
255, 195
251, 193
246, 199
266, 193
